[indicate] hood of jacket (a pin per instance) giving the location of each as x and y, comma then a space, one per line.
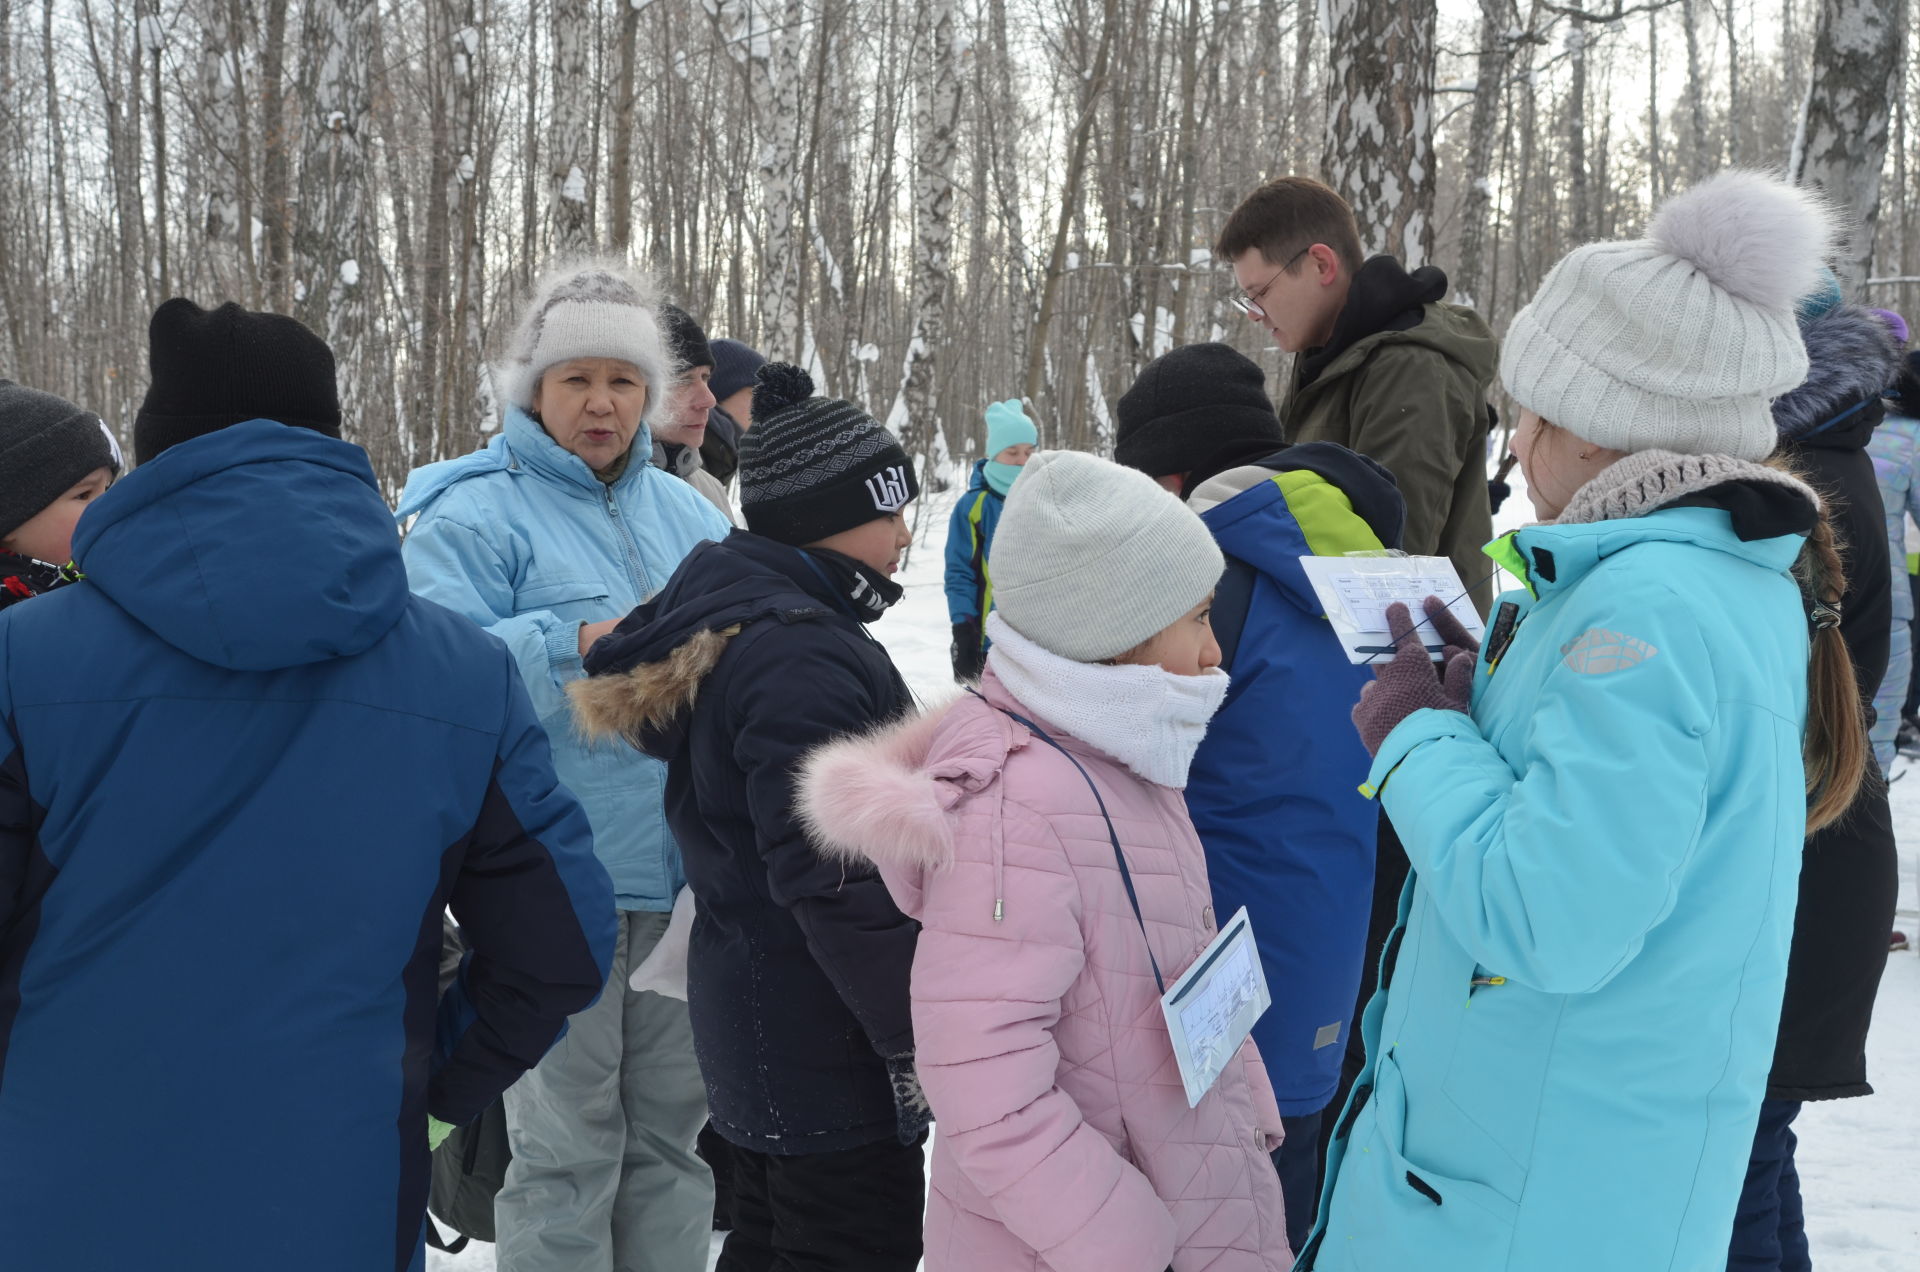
521, 446
1313, 499
1851, 362
642, 677
882, 797
1388, 305
256, 547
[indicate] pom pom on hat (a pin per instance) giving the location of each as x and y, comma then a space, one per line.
779, 385
1754, 237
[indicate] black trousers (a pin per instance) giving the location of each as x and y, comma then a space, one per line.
857, 1210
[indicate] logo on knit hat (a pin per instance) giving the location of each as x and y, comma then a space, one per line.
889, 489
1595, 652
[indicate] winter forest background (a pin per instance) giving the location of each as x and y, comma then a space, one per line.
933, 204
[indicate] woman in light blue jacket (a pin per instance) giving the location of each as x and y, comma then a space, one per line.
1565, 1070
547, 537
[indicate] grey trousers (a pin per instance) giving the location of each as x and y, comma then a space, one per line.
604, 1176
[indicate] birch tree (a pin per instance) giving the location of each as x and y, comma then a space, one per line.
570, 158
1841, 145
936, 112
1379, 133
333, 241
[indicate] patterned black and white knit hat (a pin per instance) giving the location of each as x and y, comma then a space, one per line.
589, 309
811, 467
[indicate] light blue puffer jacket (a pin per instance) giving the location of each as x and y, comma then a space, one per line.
1566, 1071
523, 539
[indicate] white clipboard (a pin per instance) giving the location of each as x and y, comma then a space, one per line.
1356, 591
1211, 1008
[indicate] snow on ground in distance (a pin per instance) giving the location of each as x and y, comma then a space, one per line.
1857, 1157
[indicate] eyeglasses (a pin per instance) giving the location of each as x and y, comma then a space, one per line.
1248, 302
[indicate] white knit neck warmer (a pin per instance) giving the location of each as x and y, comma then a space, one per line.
1149, 719
1652, 479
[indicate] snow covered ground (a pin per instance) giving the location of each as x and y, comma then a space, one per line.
1857, 1157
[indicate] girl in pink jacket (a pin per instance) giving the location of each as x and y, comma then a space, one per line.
1064, 1137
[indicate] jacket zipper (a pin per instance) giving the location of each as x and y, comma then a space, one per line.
643, 586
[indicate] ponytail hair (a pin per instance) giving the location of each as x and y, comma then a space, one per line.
1835, 746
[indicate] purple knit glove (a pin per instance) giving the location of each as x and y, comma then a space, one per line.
1410, 682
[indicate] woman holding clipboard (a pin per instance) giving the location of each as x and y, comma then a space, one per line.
1604, 805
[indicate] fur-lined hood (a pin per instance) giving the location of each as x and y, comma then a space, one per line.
646, 700
1851, 361
883, 797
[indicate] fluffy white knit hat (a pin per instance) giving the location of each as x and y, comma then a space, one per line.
1090, 559
1678, 341
591, 308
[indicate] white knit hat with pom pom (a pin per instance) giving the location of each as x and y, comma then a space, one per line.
1678, 341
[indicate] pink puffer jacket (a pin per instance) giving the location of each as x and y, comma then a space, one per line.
1064, 1139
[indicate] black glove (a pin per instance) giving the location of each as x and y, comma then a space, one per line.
969, 659
911, 1112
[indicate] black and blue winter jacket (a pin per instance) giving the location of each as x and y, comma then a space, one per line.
242, 773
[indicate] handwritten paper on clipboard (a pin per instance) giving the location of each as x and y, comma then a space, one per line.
1357, 590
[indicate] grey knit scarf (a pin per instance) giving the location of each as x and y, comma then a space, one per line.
1649, 480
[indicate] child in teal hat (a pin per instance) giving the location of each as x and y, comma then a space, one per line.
1011, 438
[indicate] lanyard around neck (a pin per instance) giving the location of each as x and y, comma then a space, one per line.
1119, 857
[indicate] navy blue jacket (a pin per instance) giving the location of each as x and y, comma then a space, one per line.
797, 974
242, 773
1275, 788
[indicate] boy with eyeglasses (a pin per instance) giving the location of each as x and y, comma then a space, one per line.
1382, 366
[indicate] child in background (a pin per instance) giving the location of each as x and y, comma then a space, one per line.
55, 460
1011, 437
1035, 829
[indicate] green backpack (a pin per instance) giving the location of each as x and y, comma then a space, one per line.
471, 1163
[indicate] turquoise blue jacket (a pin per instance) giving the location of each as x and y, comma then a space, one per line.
1566, 1070
523, 539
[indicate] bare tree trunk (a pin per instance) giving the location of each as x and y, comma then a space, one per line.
1735, 103
784, 260
57, 144
1656, 177
1303, 17
222, 97
1700, 162
1579, 180
154, 42
333, 239
620, 160
1379, 138
914, 418
1489, 94
276, 213
1095, 85
1841, 145
570, 159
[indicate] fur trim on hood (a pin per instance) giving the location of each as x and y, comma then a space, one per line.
650, 696
883, 796
1851, 359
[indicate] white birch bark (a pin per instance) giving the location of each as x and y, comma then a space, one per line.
1379, 135
570, 158
936, 110
332, 236
1841, 144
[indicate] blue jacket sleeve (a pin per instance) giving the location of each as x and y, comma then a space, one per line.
963, 585
852, 927
536, 908
1552, 871
456, 566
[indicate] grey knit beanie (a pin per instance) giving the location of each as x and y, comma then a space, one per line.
589, 309
1678, 341
1091, 559
47, 446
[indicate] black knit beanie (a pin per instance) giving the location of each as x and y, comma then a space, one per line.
686, 341
227, 366
47, 445
811, 467
1192, 403
734, 367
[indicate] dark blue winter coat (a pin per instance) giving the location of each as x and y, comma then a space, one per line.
1274, 789
242, 772
797, 974
969, 536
